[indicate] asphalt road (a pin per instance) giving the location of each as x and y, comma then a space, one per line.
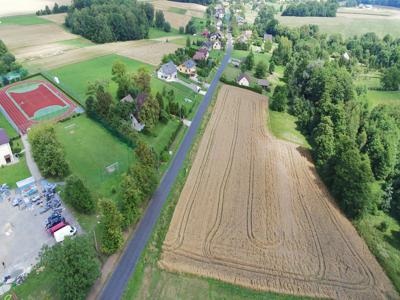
116, 284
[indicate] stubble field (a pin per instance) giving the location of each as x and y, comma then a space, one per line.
254, 212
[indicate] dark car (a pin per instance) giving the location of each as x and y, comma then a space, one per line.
54, 220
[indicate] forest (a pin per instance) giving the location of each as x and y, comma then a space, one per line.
356, 149
108, 21
312, 9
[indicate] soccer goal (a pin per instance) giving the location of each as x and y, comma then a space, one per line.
114, 167
70, 126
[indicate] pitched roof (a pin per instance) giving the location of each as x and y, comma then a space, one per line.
168, 68
189, 64
127, 98
263, 82
4, 139
243, 75
207, 44
267, 37
140, 100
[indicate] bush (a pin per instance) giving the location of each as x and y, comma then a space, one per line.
78, 195
383, 226
111, 227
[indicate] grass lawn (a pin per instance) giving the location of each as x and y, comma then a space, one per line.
155, 33
75, 77
161, 135
375, 98
11, 132
89, 149
384, 245
13, 173
199, 23
23, 20
284, 127
78, 43
177, 10
151, 282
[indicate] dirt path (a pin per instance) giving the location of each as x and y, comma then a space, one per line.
254, 212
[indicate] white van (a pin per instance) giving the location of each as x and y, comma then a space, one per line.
60, 234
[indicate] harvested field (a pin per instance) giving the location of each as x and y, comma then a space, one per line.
254, 212
57, 18
177, 19
16, 36
12, 7
148, 51
151, 53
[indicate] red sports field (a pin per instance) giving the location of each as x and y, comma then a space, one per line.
31, 101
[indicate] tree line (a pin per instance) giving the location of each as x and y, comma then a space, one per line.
202, 2
7, 60
356, 150
108, 21
312, 9
57, 9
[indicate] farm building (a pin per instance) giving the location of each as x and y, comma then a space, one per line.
188, 67
201, 54
167, 72
243, 80
6, 156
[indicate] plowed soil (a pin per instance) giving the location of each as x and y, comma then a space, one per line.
254, 212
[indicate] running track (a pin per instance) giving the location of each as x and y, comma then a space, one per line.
116, 285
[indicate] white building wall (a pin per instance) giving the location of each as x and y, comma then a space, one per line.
4, 151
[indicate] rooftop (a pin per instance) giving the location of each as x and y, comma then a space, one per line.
4, 139
168, 68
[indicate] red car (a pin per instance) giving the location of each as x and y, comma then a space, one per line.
57, 227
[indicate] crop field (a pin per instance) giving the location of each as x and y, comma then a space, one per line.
179, 13
253, 212
353, 21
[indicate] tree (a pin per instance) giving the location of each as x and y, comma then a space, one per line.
181, 30
150, 112
142, 80
391, 79
280, 98
271, 67
284, 51
149, 11
146, 154
167, 27
352, 182
267, 45
111, 227
261, 70
190, 27
324, 140
249, 61
48, 152
77, 194
74, 266
188, 42
160, 19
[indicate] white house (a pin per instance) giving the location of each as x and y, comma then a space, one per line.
168, 72
6, 156
217, 45
243, 80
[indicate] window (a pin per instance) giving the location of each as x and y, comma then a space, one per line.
7, 158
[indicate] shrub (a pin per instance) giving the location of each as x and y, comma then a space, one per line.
78, 195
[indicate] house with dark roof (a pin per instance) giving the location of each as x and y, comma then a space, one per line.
263, 83
207, 45
243, 79
215, 36
6, 156
188, 67
168, 72
201, 54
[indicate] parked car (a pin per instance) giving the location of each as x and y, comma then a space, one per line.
66, 231
52, 221
56, 227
